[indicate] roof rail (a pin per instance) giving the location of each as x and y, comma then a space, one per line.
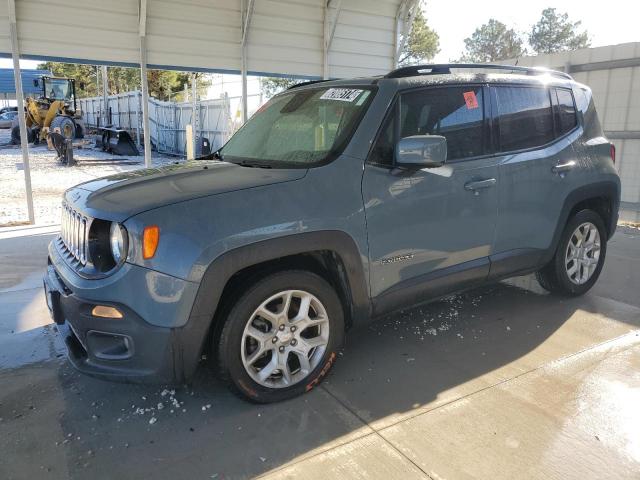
445, 68
304, 84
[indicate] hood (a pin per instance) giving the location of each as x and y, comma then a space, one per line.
120, 196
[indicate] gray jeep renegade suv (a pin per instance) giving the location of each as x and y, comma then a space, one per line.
337, 202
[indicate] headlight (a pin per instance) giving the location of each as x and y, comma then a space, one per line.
118, 241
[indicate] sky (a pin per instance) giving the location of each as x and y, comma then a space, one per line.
609, 22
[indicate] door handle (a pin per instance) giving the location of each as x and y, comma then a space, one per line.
564, 167
480, 184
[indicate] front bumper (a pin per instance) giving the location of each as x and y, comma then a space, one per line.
128, 348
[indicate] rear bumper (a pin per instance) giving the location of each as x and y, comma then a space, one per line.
128, 348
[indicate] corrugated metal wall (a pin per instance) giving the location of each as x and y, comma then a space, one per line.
613, 74
285, 37
8, 85
168, 120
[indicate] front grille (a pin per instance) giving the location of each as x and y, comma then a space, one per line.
74, 232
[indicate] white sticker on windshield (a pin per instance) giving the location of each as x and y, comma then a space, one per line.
341, 94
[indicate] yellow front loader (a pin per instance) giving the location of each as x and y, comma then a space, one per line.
54, 110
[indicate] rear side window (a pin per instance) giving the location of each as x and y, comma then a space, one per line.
565, 111
456, 113
525, 118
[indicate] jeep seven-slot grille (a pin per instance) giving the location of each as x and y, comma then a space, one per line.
74, 233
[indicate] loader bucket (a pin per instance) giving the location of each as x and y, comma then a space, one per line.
121, 143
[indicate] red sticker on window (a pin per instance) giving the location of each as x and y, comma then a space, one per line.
470, 99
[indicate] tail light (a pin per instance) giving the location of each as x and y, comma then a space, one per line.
612, 152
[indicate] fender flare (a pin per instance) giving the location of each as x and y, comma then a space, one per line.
189, 340
607, 189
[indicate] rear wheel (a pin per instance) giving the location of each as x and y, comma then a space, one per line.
15, 135
579, 258
65, 126
281, 337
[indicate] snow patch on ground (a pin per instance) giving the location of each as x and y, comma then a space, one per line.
49, 178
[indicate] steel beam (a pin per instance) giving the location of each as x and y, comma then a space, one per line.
404, 19
247, 13
142, 31
22, 122
194, 115
331, 12
105, 95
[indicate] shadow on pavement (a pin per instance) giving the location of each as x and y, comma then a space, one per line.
58, 423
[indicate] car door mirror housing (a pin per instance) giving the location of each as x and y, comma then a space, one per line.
421, 151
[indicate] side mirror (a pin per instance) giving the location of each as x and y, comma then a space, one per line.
36, 82
421, 151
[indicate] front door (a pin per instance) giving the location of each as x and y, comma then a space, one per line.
431, 230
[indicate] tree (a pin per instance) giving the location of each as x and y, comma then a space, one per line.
423, 43
163, 84
272, 85
492, 41
554, 32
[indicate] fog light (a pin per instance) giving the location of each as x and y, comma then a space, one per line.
106, 312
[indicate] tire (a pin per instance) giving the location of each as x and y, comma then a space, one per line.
15, 135
568, 277
283, 345
65, 125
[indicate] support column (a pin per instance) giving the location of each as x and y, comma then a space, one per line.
404, 20
22, 122
105, 95
194, 115
331, 12
144, 82
247, 12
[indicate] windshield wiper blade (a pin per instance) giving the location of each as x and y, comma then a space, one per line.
246, 163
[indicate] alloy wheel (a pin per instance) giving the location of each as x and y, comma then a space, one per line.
583, 253
285, 339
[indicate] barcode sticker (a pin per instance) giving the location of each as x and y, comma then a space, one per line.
341, 94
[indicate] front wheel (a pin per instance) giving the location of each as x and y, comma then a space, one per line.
579, 257
65, 126
281, 337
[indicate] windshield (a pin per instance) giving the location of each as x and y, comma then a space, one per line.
299, 128
58, 89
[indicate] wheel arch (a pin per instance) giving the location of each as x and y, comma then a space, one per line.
602, 197
332, 254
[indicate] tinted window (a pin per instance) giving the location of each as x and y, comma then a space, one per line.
456, 113
566, 111
382, 152
524, 117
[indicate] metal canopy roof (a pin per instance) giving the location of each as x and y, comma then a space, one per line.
283, 37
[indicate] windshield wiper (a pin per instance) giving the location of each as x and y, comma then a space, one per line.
247, 163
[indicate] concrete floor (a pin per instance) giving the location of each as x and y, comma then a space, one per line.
504, 382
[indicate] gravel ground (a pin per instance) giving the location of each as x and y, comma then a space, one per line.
49, 178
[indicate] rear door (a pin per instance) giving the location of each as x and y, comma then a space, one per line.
431, 230
535, 128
